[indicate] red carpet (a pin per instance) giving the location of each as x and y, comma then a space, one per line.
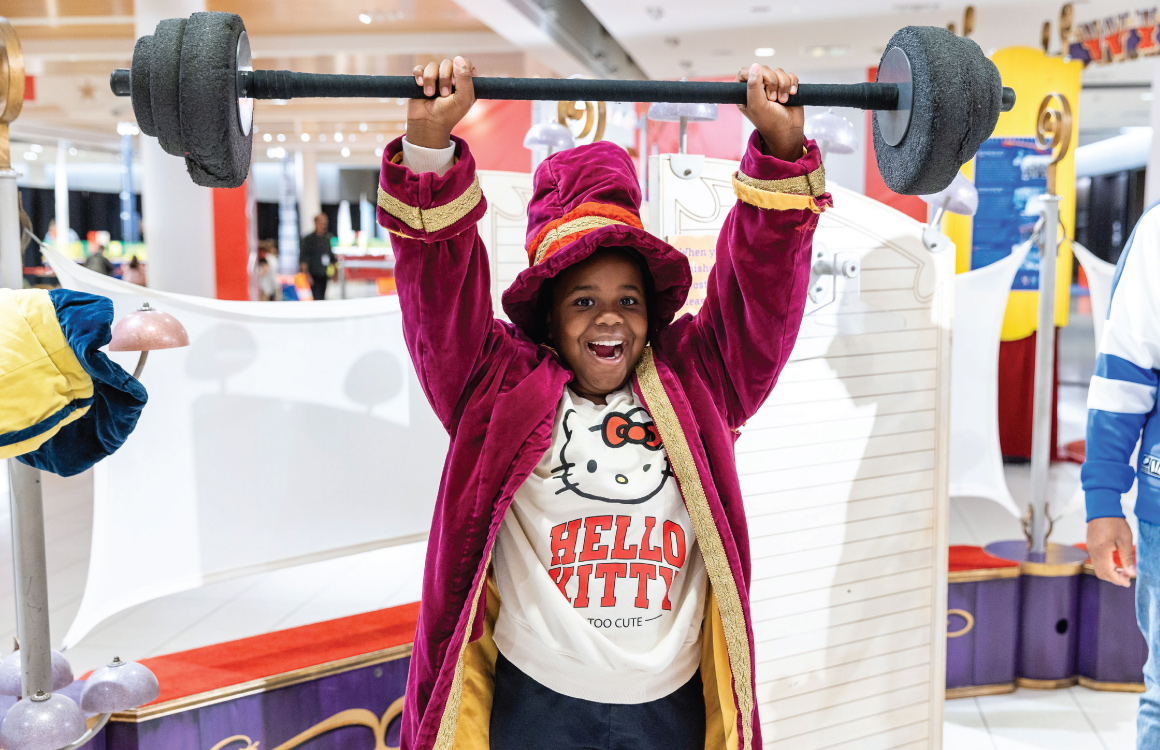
211, 667
969, 557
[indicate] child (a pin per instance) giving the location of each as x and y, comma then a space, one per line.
587, 571
267, 281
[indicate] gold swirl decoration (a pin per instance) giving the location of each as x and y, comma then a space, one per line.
11, 85
970, 619
592, 114
352, 717
1053, 127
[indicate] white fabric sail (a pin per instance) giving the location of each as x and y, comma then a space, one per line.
284, 434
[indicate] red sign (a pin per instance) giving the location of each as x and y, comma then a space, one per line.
29, 88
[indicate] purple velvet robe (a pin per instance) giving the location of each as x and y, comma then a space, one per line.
496, 390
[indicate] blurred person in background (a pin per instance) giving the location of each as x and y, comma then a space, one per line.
134, 272
98, 262
314, 258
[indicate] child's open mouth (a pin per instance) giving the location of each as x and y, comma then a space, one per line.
606, 350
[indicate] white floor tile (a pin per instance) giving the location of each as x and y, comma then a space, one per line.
963, 726
1037, 719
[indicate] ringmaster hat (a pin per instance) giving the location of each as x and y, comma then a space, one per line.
583, 199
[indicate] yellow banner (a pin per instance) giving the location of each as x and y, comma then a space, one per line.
1033, 75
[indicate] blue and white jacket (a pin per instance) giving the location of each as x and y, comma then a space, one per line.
1122, 397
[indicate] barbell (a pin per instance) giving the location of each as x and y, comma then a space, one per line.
936, 99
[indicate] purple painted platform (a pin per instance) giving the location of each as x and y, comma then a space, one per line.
1112, 650
982, 622
1049, 611
356, 702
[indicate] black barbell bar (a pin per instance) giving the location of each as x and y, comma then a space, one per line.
285, 84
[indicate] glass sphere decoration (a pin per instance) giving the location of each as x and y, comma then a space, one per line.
120, 686
42, 722
10, 668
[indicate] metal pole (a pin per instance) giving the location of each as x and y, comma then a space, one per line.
1044, 375
31, 578
60, 192
11, 262
129, 220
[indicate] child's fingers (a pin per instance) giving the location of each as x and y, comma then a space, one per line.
780, 82
445, 78
418, 73
754, 86
430, 78
464, 71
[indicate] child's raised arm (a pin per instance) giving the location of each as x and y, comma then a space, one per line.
756, 292
441, 266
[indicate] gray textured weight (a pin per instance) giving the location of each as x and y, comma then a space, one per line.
165, 84
957, 99
142, 105
217, 151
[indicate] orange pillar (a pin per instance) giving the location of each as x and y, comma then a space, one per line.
231, 235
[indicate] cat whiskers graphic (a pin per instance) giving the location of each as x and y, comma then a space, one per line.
613, 450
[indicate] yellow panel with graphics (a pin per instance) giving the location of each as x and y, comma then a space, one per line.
1033, 75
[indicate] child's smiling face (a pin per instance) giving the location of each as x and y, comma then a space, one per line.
599, 321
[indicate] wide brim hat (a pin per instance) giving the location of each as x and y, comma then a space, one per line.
586, 198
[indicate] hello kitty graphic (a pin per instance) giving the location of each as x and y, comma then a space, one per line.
618, 461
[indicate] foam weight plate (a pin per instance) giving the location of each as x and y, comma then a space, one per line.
139, 86
217, 151
956, 102
165, 84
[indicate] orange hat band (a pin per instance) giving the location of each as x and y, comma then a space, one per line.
576, 223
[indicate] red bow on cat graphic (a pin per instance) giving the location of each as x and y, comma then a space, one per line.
619, 430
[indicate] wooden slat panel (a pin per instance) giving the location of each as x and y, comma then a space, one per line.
912, 736
818, 578
858, 365
846, 602
823, 624
824, 727
776, 664
871, 528
778, 561
842, 674
853, 387
790, 705
839, 473
837, 451
770, 438
770, 524
912, 338
789, 414
780, 501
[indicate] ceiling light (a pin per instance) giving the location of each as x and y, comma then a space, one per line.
30, 156
276, 153
362, 127
72, 152
365, 17
306, 137
279, 102
400, 101
281, 138
1146, 96
763, 51
338, 136
267, 137
379, 152
36, 147
345, 151
824, 51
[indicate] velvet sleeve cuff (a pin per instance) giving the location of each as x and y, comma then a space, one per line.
767, 182
425, 205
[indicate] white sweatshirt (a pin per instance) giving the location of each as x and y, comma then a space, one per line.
601, 581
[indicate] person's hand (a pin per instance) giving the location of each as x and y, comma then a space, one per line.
301, 268
429, 121
1104, 537
781, 127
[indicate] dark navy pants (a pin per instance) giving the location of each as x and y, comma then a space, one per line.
526, 715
